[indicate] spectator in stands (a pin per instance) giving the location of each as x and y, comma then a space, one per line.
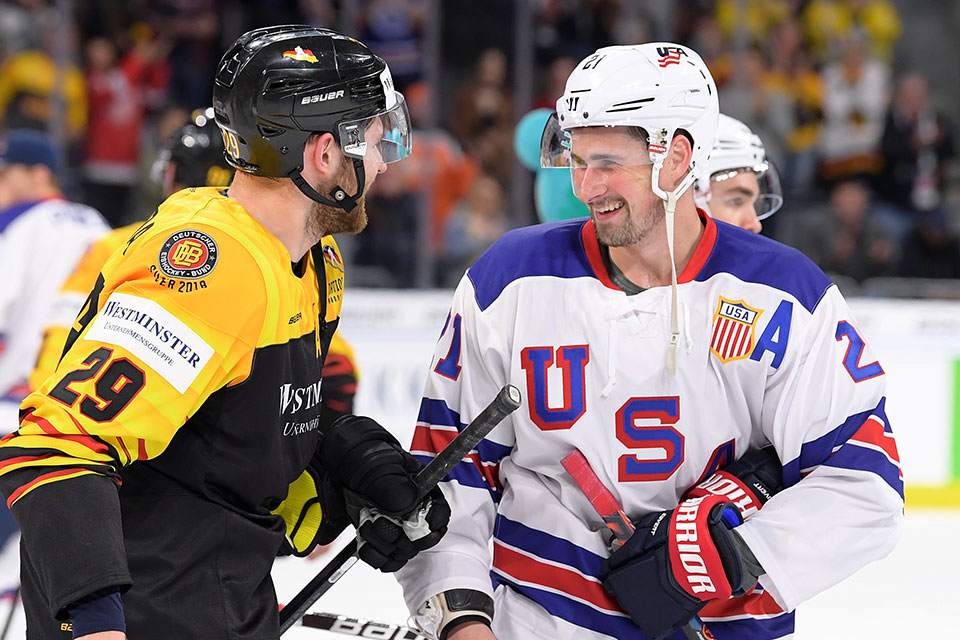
556, 78
917, 147
193, 29
482, 116
843, 239
31, 87
932, 249
394, 29
479, 221
827, 23
855, 98
117, 92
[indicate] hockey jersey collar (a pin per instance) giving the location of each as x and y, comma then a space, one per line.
11, 213
699, 258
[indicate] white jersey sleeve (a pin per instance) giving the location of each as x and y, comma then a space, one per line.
40, 248
823, 410
467, 371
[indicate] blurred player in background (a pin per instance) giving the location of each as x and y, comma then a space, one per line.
42, 235
738, 184
664, 346
158, 445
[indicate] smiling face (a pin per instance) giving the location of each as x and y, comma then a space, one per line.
611, 175
733, 200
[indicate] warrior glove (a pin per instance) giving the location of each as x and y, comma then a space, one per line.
381, 493
677, 561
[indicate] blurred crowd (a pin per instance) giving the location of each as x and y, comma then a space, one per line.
866, 156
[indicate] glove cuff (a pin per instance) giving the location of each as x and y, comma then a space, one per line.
439, 615
746, 498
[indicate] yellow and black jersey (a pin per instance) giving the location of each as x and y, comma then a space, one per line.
191, 381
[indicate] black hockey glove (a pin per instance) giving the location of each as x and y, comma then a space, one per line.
747, 482
381, 493
677, 561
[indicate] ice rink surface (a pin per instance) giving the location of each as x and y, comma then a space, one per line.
913, 593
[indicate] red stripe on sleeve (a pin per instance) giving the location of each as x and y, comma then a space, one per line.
872, 433
430, 440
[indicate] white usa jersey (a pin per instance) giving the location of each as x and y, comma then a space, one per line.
769, 353
40, 245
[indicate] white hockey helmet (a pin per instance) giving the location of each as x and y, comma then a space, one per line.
738, 149
659, 86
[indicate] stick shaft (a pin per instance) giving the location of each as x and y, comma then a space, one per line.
360, 628
506, 402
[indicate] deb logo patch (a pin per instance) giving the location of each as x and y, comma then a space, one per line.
188, 254
299, 53
669, 55
733, 329
154, 335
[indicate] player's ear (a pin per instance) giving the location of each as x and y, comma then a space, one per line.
322, 152
677, 161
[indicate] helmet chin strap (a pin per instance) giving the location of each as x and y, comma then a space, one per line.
340, 198
670, 209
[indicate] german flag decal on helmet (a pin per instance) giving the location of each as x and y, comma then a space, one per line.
299, 53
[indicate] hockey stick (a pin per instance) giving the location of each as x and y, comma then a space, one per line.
506, 402
359, 628
617, 522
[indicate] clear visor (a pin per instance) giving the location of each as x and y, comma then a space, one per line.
387, 134
587, 159
770, 197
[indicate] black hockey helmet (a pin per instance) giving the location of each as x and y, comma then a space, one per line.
193, 156
276, 86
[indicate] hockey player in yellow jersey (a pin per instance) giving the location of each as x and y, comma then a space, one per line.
168, 457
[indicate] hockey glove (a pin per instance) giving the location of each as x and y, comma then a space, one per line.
314, 512
677, 561
382, 496
747, 482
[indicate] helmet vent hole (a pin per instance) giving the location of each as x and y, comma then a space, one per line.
269, 132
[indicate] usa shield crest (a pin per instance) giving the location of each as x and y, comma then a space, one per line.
733, 329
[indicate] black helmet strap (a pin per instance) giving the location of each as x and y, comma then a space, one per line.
340, 198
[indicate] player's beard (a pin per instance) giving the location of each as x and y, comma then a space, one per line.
629, 230
325, 219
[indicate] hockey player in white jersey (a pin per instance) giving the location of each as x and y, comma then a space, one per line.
42, 236
663, 345
738, 183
